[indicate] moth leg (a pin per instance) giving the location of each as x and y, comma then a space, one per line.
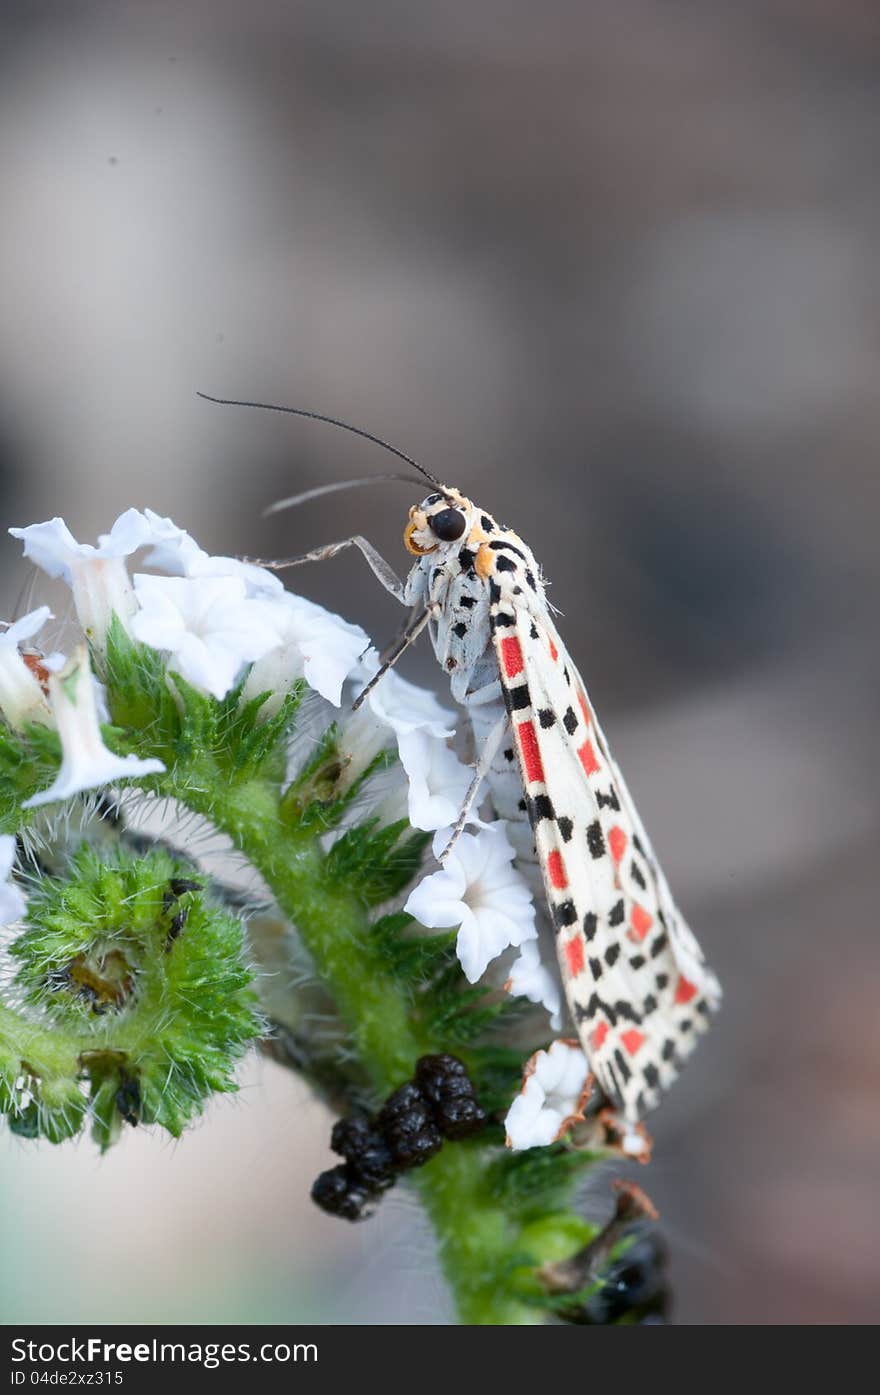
381, 569
481, 769
411, 632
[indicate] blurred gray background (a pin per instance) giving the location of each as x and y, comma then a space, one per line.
612, 269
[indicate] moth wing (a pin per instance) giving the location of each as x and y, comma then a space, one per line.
637, 985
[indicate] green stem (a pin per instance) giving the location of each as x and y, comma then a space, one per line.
476, 1237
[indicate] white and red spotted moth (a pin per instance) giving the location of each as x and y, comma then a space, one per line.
638, 987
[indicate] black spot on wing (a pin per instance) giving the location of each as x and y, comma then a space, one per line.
622, 1065
564, 914
652, 1077
595, 839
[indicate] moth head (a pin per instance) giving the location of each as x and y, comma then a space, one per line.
441, 520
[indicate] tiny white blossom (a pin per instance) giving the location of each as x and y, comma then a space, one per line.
176, 552
530, 978
12, 902
97, 575
555, 1088
315, 645
21, 697
438, 781
392, 711
405, 707
479, 890
208, 625
86, 763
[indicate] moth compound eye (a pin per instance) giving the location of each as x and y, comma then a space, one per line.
448, 524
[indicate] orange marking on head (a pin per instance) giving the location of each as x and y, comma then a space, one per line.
685, 991
617, 842
632, 1040
588, 758
485, 562
531, 754
574, 954
556, 871
640, 920
414, 526
511, 656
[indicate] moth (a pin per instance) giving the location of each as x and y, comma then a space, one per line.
637, 985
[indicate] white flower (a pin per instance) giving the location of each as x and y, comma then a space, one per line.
315, 645
12, 902
393, 710
438, 781
176, 552
208, 625
479, 890
21, 697
403, 706
530, 978
86, 763
556, 1085
97, 575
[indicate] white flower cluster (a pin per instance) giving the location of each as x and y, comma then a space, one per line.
216, 619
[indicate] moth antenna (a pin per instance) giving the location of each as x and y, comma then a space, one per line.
330, 421
294, 499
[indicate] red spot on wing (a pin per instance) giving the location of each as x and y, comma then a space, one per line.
632, 1040
531, 754
640, 920
685, 991
588, 758
511, 656
617, 842
554, 652
583, 705
574, 953
556, 871
598, 1036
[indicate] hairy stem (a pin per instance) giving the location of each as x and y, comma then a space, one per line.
476, 1237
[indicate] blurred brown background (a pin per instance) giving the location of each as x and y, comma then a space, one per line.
612, 269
